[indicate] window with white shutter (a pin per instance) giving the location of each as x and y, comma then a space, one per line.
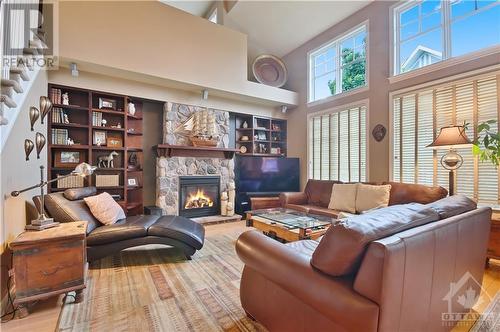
337, 145
418, 117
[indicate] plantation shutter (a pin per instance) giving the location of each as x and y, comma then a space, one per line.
337, 147
417, 119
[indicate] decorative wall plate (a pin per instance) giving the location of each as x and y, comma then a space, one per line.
243, 149
269, 70
379, 132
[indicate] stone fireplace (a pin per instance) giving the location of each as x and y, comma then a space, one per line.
173, 172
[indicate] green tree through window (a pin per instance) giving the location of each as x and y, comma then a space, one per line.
353, 74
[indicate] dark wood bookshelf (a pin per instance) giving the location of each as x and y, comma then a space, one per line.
83, 104
264, 134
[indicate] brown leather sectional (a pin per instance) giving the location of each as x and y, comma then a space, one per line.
316, 196
387, 270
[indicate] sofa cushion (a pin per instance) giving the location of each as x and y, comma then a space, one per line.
63, 210
403, 193
343, 197
124, 229
74, 194
319, 192
371, 197
343, 245
105, 208
453, 205
179, 228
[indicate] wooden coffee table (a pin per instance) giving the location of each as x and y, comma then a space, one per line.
286, 225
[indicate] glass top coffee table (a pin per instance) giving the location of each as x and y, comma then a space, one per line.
289, 225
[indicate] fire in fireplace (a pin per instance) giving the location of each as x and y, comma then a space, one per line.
199, 196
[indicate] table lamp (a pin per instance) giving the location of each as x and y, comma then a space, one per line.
451, 138
43, 221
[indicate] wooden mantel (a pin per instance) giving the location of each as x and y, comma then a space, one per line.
167, 150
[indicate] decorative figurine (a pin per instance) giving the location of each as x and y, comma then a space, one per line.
65, 98
223, 203
118, 125
244, 125
45, 107
69, 141
104, 122
107, 161
231, 192
133, 162
230, 209
65, 118
131, 108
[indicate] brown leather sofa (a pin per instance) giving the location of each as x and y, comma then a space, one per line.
105, 240
316, 196
402, 261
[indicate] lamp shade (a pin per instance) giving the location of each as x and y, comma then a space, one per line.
451, 137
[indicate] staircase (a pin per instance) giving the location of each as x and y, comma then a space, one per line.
16, 82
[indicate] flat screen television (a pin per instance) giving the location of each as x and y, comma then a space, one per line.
267, 174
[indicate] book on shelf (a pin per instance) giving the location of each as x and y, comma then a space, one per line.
96, 119
55, 96
60, 136
59, 116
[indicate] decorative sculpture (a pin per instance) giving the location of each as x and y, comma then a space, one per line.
34, 115
45, 107
133, 162
223, 203
231, 192
28, 147
40, 143
65, 98
107, 161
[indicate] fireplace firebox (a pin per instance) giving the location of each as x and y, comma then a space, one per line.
199, 196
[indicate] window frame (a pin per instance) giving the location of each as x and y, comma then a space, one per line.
446, 22
360, 103
364, 26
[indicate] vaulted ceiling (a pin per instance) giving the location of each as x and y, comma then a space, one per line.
278, 27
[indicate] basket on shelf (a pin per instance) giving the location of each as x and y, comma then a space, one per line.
112, 180
74, 181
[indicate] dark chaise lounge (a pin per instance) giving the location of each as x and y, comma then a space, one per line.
105, 240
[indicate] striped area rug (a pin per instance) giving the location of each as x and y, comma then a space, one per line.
155, 289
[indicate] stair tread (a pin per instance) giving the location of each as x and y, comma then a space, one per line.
13, 84
21, 71
9, 102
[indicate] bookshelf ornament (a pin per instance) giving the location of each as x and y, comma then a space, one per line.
65, 98
223, 203
131, 108
45, 107
39, 143
34, 114
28, 147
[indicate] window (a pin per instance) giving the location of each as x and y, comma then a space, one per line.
339, 66
213, 16
417, 118
337, 145
430, 31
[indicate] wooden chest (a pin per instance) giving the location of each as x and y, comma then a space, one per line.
49, 262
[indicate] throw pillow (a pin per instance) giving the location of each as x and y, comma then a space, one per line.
344, 197
105, 208
371, 197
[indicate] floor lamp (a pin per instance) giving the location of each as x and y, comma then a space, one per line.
451, 138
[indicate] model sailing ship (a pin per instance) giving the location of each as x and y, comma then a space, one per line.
204, 129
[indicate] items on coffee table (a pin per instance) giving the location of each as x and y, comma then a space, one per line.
288, 225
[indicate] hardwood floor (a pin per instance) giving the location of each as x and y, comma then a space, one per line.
44, 315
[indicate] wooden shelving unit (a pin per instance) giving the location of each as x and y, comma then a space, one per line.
261, 136
120, 125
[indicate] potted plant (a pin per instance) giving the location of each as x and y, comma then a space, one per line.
487, 143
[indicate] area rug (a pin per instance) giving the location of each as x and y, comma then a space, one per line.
156, 289
490, 318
